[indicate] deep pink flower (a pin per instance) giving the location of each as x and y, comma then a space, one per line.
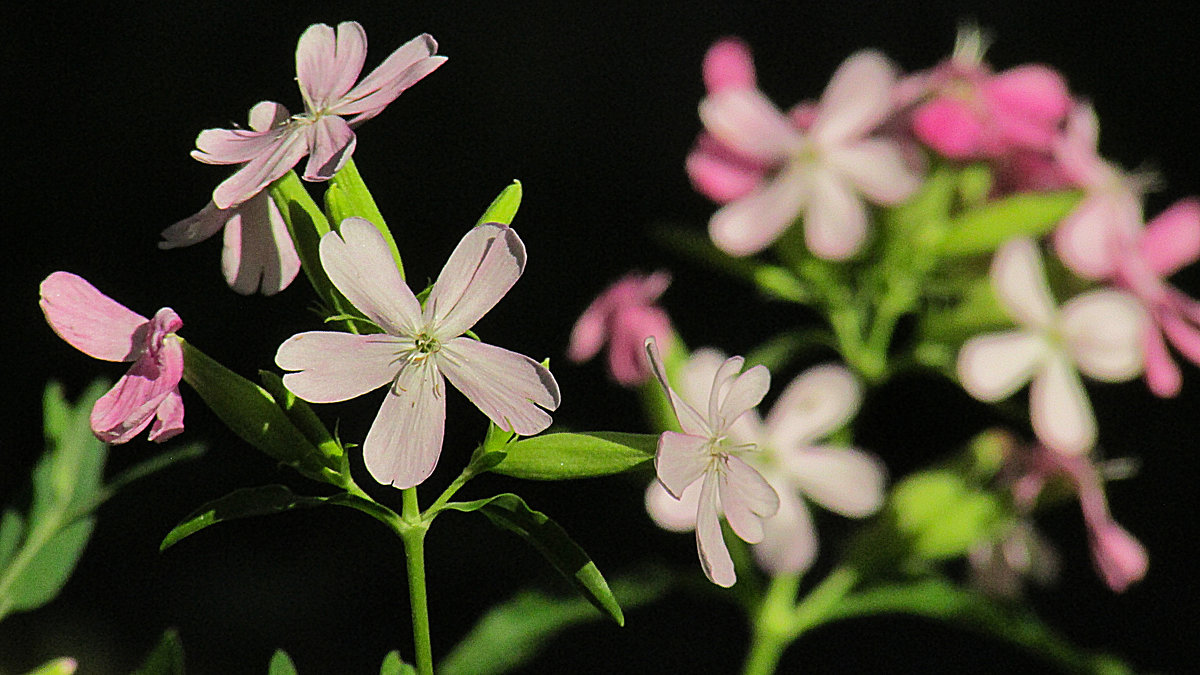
704, 453
327, 66
258, 253
420, 348
624, 315
104, 329
968, 112
818, 162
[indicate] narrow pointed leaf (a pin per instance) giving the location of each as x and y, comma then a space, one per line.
986, 227
45, 572
510, 512
281, 664
565, 456
301, 414
504, 207
347, 195
243, 503
166, 658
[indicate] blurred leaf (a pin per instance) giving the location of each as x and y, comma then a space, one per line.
60, 666
243, 503
504, 207
394, 665
281, 664
984, 228
166, 658
347, 195
56, 551
512, 633
941, 515
565, 456
12, 528
774, 282
509, 512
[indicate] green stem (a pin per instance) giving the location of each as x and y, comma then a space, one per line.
819, 604
413, 536
772, 631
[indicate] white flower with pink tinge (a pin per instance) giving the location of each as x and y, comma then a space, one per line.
842, 479
705, 454
327, 65
420, 348
1098, 331
821, 173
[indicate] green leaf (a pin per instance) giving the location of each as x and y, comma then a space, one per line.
512, 633
394, 665
242, 503
61, 666
504, 207
941, 515
984, 228
251, 413
306, 225
565, 456
347, 195
509, 512
281, 664
46, 572
70, 473
12, 529
166, 658
301, 414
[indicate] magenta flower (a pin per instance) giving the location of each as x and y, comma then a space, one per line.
845, 480
258, 253
624, 315
970, 113
326, 69
704, 453
818, 163
420, 348
104, 329
1097, 331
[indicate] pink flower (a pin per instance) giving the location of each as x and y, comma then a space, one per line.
1098, 331
420, 348
971, 113
326, 69
817, 163
624, 315
104, 329
845, 480
705, 454
258, 253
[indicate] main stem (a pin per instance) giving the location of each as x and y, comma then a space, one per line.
413, 537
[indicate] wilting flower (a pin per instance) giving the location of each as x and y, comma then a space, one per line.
102, 328
845, 480
258, 253
770, 170
326, 69
968, 112
704, 453
420, 348
1098, 331
624, 315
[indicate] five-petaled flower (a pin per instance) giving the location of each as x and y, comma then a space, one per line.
1098, 331
704, 452
624, 315
102, 328
821, 172
420, 348
846, 480
327, 66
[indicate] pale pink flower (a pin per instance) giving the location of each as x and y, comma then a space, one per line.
1098, 332
104, 329
703, 453
327, 66
420, 348
258, 253
842, 479
819, 162
623, 316
968, 112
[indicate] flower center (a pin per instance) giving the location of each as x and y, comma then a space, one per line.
427, 344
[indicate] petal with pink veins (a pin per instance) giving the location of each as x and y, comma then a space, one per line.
710, 543
877, 169
339, 366
508, 387
90, 321
746, 499
480, 271
405, 440
326, 67
400, 70
680, 460
359, 263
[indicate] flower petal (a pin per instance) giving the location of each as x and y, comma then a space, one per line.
857, 99
196, 228
835, 218
690, 420
326, 69
234, 146
1059, 408
258, 254
752, 223
746, 121
669, 513
288, 146
1019, 281
728, 65
680, 460
994, 366
710, 542
949, 126
746, 498
744, 393
168, 422
721, 174
877, 169
134, 401
508, 387
338, 366
1119, 556
331, 143
1172, 239
1163, 376
1087, 239
480, 271
819, 401
844, 480
400, 70
359, 263
405, 440
90, 321
1103, 331
789, 543
267, 115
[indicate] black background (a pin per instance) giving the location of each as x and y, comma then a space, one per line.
592, 106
